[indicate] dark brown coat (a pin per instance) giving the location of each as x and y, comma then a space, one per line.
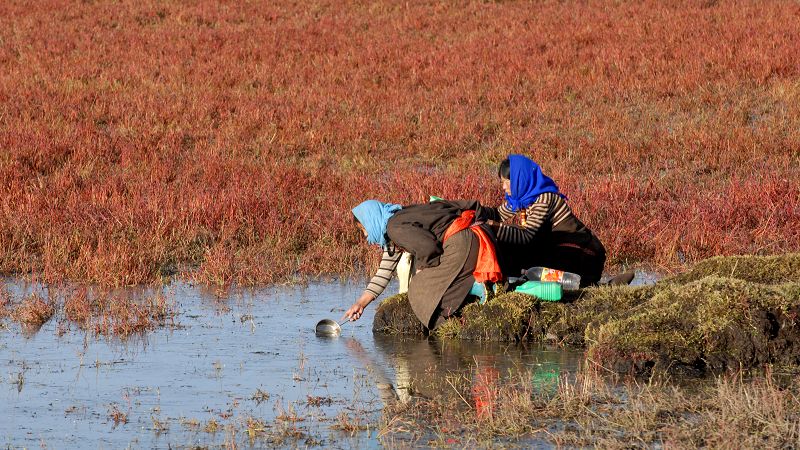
445, 279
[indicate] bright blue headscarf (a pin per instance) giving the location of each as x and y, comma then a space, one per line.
527, 183
374, 215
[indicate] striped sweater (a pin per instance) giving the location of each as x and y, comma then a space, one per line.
519, 228
385, 271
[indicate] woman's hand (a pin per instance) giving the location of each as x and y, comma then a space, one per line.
357, 309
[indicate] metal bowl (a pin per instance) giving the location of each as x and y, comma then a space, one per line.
328, 327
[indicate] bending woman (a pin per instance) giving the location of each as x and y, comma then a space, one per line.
451, 251
536, 227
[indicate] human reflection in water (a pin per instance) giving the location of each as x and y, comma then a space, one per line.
408, 368
485, 382
418, 366
386, 390
421, 367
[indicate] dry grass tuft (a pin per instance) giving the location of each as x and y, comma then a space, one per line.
119, 315
33, 312
5, 304
349, 423
116, 415
99, 312
78, 307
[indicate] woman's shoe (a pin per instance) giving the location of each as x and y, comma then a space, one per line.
622, 279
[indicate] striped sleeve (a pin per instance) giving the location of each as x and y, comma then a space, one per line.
560, 209
506, 215
382, 277
535, 216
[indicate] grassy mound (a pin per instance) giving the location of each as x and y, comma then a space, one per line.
395, 316
755, 269
567, 322
727, 312
504, 318
710, 324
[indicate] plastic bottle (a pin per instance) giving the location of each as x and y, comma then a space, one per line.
544, 290
569, 281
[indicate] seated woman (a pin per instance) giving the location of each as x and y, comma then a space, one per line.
536, 227
451, 251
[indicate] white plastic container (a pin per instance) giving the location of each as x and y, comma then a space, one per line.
404, 272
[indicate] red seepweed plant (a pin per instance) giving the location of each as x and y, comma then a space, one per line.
5, 304
228, 144
118, 315
33, 312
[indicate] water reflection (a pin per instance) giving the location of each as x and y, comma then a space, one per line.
229, 363
407, 367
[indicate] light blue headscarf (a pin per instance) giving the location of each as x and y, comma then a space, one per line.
527, 182
374, 215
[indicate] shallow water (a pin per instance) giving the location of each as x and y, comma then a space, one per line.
249, 363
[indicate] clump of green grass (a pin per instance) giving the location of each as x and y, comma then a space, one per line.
504, 318
595, 305
395, 316
513, 316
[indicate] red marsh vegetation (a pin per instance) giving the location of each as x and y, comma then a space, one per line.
33, 312
5, 305
227, 142
119, 315
110, 313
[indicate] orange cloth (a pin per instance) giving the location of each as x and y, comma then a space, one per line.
487, 267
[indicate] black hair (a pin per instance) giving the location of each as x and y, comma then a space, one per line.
504, 169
